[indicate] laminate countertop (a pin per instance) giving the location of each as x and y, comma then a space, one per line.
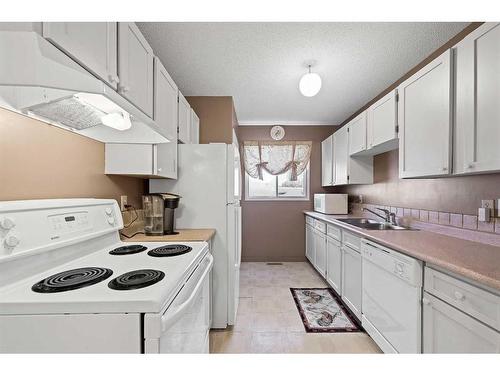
185, 235
473, 260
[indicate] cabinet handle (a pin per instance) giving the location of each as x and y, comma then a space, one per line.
470, 166
459, 296
159, 169
425, 301
445, 168
124, 89
113, 79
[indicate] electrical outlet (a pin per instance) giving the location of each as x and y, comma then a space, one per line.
487, 203
123, 202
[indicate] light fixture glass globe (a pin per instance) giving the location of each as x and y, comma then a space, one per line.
310, 84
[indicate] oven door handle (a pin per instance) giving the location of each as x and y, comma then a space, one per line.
171, 316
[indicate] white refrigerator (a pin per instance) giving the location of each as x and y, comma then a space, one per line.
209, 182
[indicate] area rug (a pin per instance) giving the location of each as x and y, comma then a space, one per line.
322, 310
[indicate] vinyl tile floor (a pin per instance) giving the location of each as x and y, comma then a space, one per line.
268, 320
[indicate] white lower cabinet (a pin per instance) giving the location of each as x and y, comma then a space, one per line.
334, 264
310, 243
351, 279
448, 330
320, 252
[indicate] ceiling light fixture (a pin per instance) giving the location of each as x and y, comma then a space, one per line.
310, 83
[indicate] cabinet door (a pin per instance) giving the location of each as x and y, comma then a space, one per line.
92, 44
357, 134
184, 125
424, 117
382, 121
341, 156
195, 128
129, 159
135, 67
165, 101
334, 264
477, 121
351, 280
327, 162
320, 252
448, 330
308, 242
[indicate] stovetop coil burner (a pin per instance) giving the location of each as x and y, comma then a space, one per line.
72, 279
126, 250
136, 279
170, 250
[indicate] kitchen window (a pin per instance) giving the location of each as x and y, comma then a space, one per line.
278, 187
276, 170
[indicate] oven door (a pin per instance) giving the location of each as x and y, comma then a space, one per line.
184, 325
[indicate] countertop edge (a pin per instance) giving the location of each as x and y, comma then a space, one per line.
477, 277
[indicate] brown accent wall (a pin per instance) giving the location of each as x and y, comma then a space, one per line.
451, 194
216, 117
40, 161
272, 230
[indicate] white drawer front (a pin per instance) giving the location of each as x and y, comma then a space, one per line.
334, 232
320, 225
351, 240
309, 220
479, 303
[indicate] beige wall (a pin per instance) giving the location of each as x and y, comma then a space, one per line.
217, 117
42, 161
272, 230
451, 194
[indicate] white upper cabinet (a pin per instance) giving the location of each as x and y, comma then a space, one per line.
357, 134
425, 118
195, 128
477, 120
91, 44
184, 124
135, 67
341, 156
349, 169
165, 115
165, 101
382, 133
327, 170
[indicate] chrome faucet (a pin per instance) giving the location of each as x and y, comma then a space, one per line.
389, 217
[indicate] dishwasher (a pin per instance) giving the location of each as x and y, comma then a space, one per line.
391, 298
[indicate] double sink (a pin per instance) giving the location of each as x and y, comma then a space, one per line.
371, 224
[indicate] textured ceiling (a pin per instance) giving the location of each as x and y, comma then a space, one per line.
260, 64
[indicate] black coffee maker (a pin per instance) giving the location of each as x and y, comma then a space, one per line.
159, 211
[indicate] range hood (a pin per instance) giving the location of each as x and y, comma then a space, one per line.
40, 81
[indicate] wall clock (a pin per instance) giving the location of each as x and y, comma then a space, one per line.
277, 132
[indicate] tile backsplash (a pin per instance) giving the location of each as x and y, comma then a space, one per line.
451, 219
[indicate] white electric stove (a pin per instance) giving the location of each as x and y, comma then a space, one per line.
68, 284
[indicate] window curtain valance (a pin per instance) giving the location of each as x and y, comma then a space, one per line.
276, 157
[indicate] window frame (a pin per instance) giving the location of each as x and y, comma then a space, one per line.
277, 198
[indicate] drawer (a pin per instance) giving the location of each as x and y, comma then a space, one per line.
309, 220
351, 240
479, 303
334, 232
320, 226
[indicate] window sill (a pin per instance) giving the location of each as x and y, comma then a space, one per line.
302, 199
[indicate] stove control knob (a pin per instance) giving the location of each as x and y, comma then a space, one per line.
11, 241
111, 220
108, 211
7, 223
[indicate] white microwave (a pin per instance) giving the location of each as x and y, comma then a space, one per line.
332, 204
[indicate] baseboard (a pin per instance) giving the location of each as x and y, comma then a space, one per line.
273, 259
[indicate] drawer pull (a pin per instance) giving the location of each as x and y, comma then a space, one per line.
425, 301
459, 296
